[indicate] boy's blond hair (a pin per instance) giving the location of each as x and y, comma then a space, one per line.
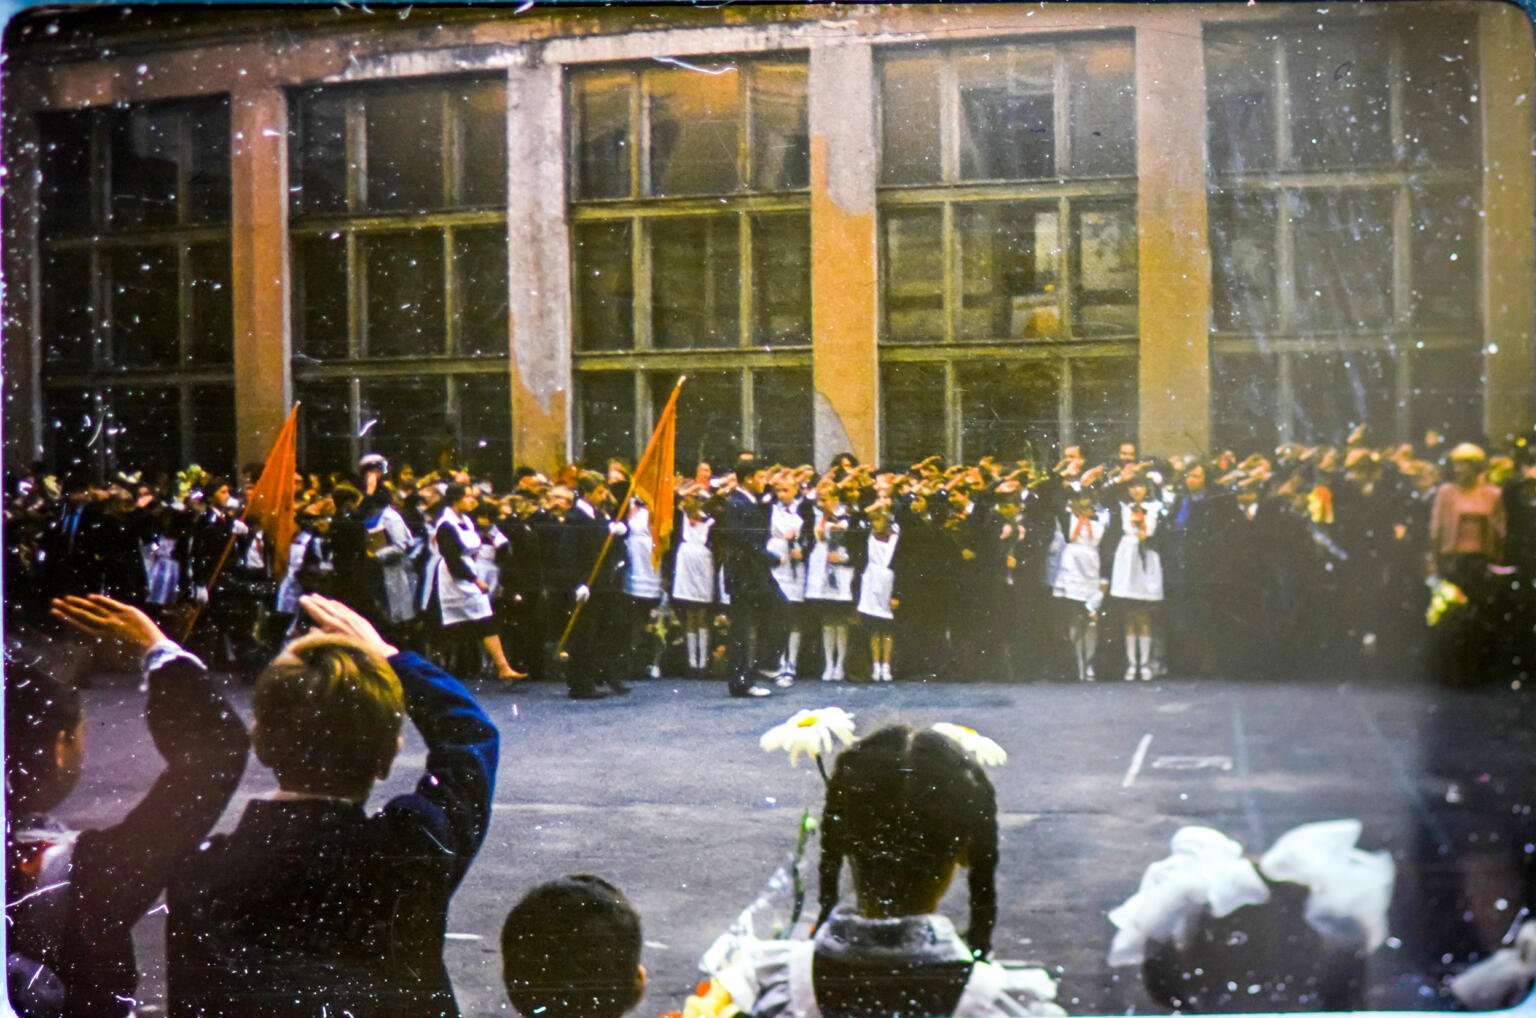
328, 715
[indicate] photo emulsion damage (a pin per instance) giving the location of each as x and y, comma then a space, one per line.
871, 511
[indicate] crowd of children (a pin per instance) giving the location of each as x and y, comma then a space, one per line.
1019, 571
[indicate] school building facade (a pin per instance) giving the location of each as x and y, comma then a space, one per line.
891, 230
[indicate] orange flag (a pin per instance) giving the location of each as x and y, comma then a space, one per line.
655, 474
271, 505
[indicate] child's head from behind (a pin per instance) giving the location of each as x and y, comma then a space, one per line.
905, 808
571, 949
328, 717
43, 740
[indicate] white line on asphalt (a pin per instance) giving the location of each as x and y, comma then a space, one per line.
1137, 760
461, 936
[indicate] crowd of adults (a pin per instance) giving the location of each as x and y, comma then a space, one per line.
1302, 561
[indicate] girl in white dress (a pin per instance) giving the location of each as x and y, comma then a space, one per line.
829, 579
1136, 576
693, 578
877, 589
786, 527
1078, 576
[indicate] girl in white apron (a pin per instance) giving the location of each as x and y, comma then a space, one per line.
642, 588
1136, 576
877, 588
1077, 579
463, 597
785, 527
829, 580
693, 579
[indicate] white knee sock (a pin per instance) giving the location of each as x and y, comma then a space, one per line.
829, 650
842, 648
691, 638
792, 654
1131, 661
1144, 643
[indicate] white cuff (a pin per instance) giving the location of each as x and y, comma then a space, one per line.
163, 652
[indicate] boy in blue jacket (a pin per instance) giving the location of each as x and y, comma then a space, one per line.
310, 905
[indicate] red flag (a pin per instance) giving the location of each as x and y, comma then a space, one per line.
655, 475
271, 504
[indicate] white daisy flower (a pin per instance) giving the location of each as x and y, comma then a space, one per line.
986, 752
812, 732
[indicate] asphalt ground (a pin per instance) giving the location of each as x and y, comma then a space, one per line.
666, 793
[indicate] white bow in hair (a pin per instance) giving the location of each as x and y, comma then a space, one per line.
1351, 889
1206, 870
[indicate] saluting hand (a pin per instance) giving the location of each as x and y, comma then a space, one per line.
103, 618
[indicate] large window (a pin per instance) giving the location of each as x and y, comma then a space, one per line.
1008, 242
135, 311
1344, 223
690, 238
399, 246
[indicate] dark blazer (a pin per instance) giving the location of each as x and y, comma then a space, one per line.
313, 903
741, 548
580, 544
117, 872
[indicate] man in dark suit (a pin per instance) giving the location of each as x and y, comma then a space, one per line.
756, 601
310, 905
596, 644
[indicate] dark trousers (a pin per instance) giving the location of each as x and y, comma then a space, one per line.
754, 622
597, 642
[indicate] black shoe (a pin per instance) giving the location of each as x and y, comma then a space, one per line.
618, 688
586, 693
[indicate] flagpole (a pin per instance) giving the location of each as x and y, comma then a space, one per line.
229, 546
570, 623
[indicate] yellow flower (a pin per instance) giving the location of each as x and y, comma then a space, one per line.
986, 752
812, 732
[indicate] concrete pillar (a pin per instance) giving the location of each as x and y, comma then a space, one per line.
1174, 245
22, 346
1506, 89
845, 294
259, 265
538, 260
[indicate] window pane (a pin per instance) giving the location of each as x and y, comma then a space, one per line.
607, 401
1343, 259
325, 426
73, 431
1010, 263
1009, 411
405, 294
1105, 405
145, 318
405, 150
602, 142
485, 426
781, 279
1101, 113
909, 121
1333, 393
146, 146
708, 417
406, 420
145, 430
1106, 283
911, 413
1447, 394
1443, 239
696, 292
211, 429
320, 154
481, 123
914, 275
1007, 114
695, 131
605, 288
1240, 101
67, 309
781, 155
1440, 110
480, 262
1244, 289
1244, 399
320, 291
213, 324
208, 174
1338, 111
781, 402
65, 196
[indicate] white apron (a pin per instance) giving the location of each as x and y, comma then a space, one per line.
1077, 566
458, 600
1137, 574
825, 580
878, 578
784, 527
693, 571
